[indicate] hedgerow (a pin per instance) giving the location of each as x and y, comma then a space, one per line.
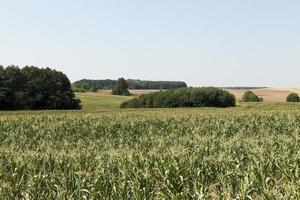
183, 97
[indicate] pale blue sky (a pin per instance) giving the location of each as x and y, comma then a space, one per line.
202, 42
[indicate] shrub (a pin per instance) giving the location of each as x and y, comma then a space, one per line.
250, 96
293, 97
183, 97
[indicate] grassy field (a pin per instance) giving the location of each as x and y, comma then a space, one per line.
100, 101
104, 152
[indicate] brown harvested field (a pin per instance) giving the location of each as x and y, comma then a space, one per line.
268, 94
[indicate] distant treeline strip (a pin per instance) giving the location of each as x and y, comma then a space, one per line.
108, 84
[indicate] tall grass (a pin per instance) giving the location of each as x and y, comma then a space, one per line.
136, 156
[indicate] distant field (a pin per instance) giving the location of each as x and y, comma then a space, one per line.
250, 151
103, 100
268, 94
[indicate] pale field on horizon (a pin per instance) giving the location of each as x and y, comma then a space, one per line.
268, 94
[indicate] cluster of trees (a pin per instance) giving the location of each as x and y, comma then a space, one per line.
89, 85
86, 85
121, 88
35, 88
250, 96
83, 88
183, 97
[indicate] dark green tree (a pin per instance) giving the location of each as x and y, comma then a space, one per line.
12, 87
293, 97
121, 88
35, 88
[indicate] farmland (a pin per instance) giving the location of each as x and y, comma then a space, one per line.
103, 152
268, 94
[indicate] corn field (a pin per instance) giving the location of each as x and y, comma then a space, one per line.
136, 156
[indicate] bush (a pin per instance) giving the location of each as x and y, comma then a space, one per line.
293, 97
183, 97
250, 96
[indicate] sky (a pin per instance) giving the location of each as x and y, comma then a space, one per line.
201, 42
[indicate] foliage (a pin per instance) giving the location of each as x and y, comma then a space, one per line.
34, 88
84, 87
183, 97
121, 88
250, 96
93, 89
106, 84
132, 84
251, 155
293, 97
78, 89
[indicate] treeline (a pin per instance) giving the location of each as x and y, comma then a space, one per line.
139, 84
35, 88
89, 85
183, 97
